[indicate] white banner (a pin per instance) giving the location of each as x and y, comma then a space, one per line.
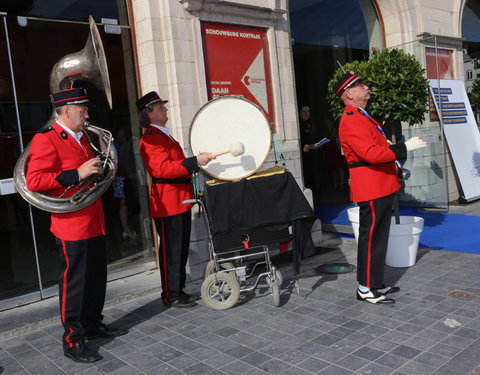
461, 133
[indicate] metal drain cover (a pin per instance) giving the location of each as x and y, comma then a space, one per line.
335, 268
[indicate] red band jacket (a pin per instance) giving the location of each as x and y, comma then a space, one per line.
170, 170
51, 167
370, 157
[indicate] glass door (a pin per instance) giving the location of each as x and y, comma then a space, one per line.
428, 185
18, 260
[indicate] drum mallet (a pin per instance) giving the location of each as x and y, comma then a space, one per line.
236, 149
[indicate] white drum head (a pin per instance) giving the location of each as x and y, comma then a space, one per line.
220, 125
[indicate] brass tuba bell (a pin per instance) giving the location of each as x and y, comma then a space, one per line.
89, 64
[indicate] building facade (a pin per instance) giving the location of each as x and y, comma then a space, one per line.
279, 54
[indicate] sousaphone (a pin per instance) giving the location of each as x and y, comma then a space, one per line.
90, 65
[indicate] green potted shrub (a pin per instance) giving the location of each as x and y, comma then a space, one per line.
399, 89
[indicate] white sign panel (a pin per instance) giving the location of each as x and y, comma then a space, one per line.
461, 133
7, 186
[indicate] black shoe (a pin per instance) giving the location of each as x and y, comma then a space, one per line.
374, 297
181, 303
387, 289
104, 331
189, 297
79, 352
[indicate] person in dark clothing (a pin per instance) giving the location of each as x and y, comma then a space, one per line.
311, 156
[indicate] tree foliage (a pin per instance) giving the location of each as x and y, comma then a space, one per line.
475, 94
399, 89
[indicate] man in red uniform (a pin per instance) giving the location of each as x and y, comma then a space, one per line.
171, 174
60, 157
373, 183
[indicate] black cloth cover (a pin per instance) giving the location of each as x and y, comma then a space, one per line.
265, 204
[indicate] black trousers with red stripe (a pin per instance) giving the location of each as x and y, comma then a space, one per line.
174, 232
82, 286
375, 218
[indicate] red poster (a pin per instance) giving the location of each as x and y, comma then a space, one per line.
441, 58
439, 66
237, 63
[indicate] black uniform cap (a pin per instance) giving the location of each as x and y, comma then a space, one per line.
150, 98
75, 96
349, 79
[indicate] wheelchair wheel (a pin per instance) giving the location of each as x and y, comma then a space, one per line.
210, 268
275, 289
220, 291
278, 278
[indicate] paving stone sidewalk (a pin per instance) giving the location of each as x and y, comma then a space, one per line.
322, 330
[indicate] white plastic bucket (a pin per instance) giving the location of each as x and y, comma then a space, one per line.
403, 240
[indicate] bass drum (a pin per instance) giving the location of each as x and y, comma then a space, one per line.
223, 122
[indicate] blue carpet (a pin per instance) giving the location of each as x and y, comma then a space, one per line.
442, 231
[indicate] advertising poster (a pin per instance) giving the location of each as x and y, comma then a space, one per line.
439, 66
237, 63
439, 63
461, 133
